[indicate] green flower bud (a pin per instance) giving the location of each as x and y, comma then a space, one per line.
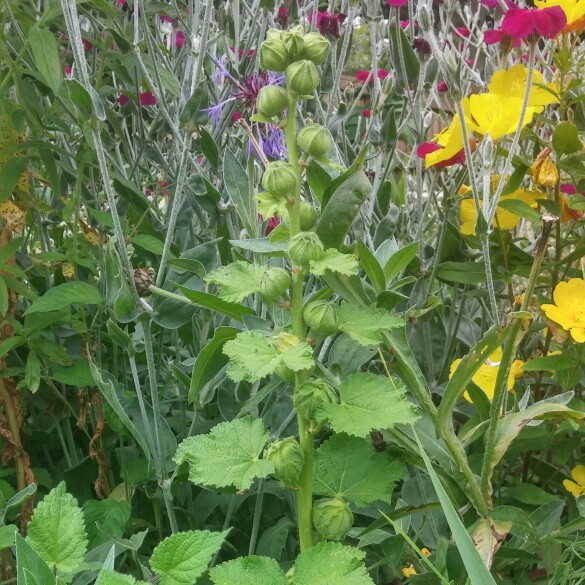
302, 77
308, 215
332, 518
273, 55
321, 316
316, 47
284, 341
274, 283
288, 458
271, 101
314, 140
280, 178
311, 395
294, 43
304, 247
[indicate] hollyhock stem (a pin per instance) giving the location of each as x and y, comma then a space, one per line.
305, 491
503, 178
515, 333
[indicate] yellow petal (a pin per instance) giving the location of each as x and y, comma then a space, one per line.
512, 83
578, 474
573, 488
578, 334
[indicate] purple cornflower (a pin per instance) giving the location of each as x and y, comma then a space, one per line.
245, 92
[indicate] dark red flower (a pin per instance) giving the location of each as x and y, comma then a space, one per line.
282, 17
179, 39
272, 223
123, 99
147, 99
442, 86
236, 116
366, 113
87, 45
422, 45
328, 23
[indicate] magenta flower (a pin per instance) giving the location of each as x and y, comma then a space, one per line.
366, 113
179, 39
365, 76
462, 32
123, 99
442, 86
521, 24
147, 99
121, 3
397, 3
568, 189
165, 18
68, 71
272, 223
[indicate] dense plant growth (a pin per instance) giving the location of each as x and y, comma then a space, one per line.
272, 315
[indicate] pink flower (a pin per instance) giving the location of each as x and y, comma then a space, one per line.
123, 99
405, 23
528, 24
236, 117
428, 147
165, 18
462, 32
121, 2
366, 113
147, 99
397, 3
68, 71
162, 185
442, 86
382, 73
179, 39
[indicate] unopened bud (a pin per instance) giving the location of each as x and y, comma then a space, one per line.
280, 178
314, 140
316, 47
321, 316
294, 43
310, 396
271, 101
274, 283
273, 55
288, 458
425, 17
332, 518
284, 341
302, 77
305, 247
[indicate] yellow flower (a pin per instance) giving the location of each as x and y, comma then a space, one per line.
408, 571
496, 114
485, 377
544, 171
573, 9
504, 219
569, 308
512, 83
426, 552
577, 487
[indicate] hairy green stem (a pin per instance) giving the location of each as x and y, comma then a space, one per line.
305, 492
511, 343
